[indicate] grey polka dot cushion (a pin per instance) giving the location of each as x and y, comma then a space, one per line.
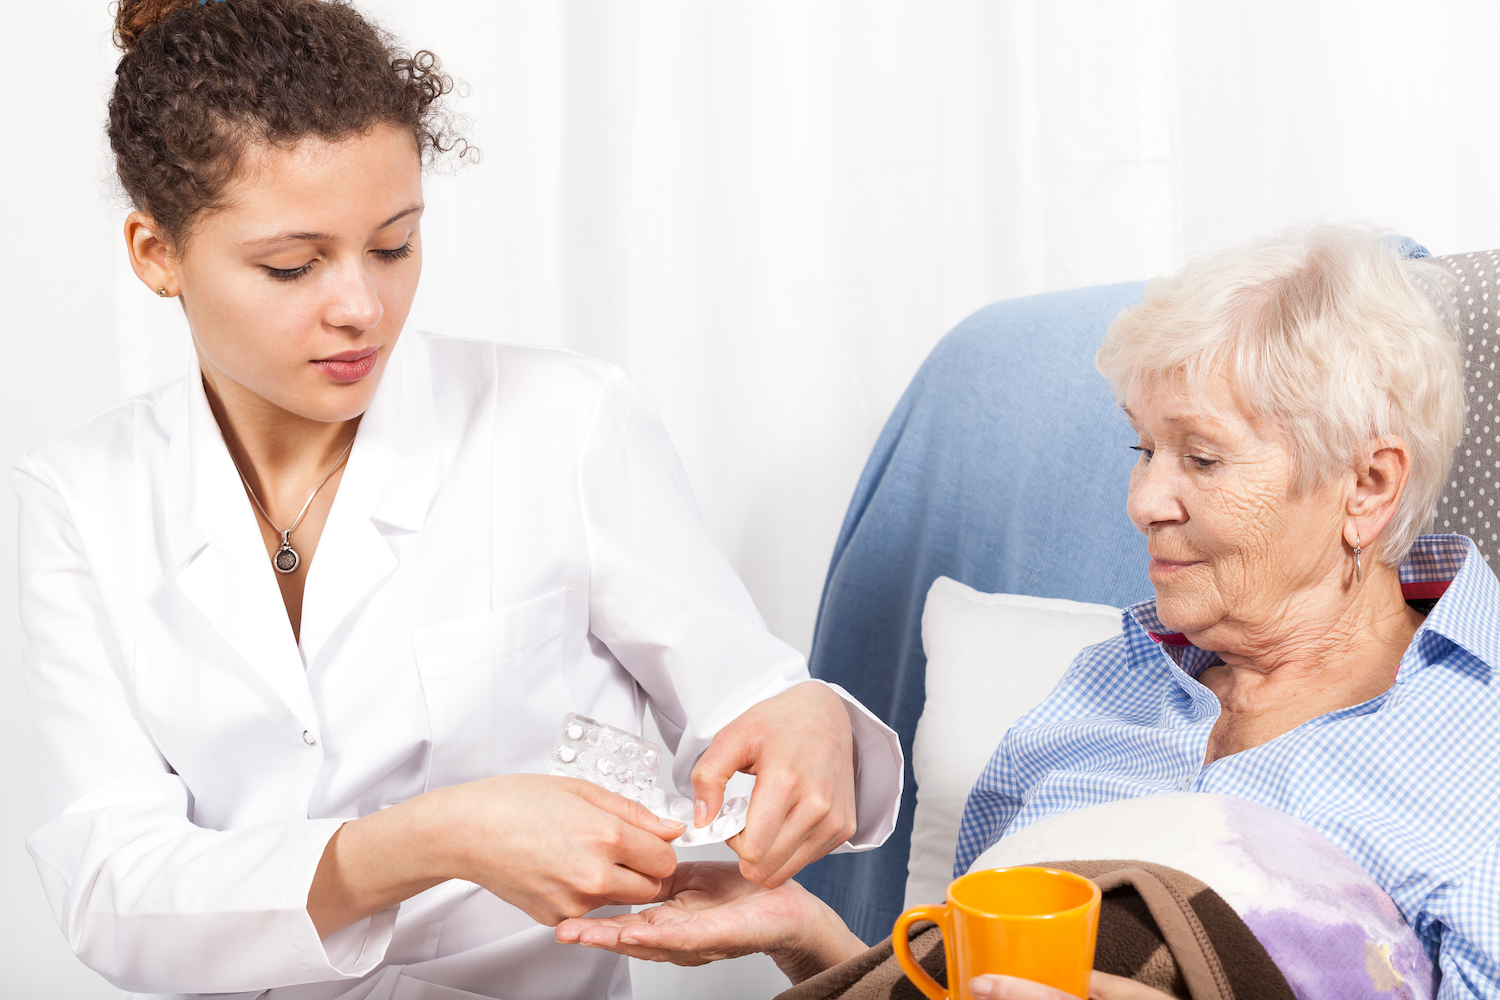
1468, 504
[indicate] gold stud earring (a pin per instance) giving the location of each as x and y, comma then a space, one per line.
162, 292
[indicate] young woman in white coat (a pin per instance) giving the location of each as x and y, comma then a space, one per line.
301, 627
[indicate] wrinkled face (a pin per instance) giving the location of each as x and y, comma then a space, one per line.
1231, 547
297, 291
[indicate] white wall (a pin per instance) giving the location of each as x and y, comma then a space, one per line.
768, 212
60, 343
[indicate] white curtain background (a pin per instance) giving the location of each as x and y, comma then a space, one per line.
768, 212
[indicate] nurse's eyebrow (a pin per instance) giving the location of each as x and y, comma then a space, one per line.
291, 237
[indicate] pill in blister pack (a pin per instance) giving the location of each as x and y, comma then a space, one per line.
730, 821
629, 765
616, 759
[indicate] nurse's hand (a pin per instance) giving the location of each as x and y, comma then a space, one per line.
554, 847
557, 847
800, 747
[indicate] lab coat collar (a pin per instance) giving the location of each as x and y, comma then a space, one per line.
223, 568
389, 486
198, 494
396, 443
392, 479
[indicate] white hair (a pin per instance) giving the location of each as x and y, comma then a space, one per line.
1326, 332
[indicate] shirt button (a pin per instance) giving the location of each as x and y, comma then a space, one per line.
1186, 782
309, 738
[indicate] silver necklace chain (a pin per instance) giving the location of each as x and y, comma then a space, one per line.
286, 559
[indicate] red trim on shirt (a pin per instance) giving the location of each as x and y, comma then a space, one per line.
1426, 590
1423, 591
1170, 638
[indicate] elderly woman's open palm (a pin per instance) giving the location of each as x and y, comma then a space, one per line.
710, 913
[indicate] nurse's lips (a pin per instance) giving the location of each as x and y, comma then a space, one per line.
348, 366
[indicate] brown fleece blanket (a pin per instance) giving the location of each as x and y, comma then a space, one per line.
1157, 925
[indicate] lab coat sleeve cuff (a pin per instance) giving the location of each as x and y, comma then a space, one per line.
878, 780
355, 950
359, 948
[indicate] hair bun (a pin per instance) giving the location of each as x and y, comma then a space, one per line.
133, 17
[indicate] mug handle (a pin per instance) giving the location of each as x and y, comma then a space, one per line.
901, 945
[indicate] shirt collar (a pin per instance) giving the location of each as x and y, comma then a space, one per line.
1468, 612
1446, 567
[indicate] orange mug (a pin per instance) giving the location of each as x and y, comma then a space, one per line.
1035, 923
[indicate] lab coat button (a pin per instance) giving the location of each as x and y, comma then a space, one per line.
309, 738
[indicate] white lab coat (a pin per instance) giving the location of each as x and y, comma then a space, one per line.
513, 539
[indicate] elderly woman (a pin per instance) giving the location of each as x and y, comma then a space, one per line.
1296, 405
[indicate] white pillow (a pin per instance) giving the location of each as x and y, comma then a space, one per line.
990, 659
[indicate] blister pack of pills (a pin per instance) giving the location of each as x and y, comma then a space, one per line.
620, 761
629, 765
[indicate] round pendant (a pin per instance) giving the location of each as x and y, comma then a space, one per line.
286, 559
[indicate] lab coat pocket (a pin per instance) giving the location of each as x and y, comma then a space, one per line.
492, 685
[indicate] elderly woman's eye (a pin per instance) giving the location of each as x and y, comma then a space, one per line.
1202, 463
1146, 453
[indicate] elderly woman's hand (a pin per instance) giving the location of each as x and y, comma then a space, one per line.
1102, 986
711, 912
800, 747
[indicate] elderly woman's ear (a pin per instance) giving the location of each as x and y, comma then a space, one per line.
1379, 481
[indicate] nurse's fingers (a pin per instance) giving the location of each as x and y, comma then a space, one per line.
803, 806
572, 882
641, 841
802, 855
630, 811
731, 751
792, 823
554, 847
801, 736
622, 885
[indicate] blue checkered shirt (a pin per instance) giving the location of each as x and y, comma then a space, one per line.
1407, 784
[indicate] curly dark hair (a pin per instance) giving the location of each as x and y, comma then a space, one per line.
202, 80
